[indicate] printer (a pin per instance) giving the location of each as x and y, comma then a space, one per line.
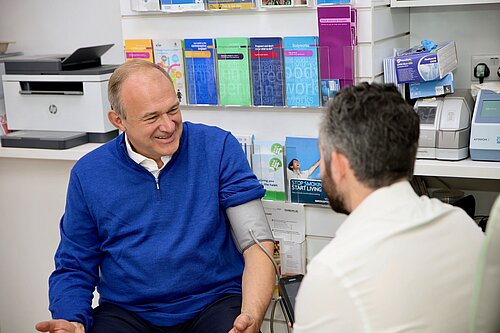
445, 126
485, 130
58, 102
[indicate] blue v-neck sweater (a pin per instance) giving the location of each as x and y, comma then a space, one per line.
162, 250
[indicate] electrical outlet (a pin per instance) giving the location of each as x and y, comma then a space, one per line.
493, 63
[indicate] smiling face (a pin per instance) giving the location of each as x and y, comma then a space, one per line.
295, 165
153, 120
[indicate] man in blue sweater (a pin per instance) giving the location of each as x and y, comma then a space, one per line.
151, 221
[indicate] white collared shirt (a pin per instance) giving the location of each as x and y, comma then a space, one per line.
300, 175
144, 161
399, 263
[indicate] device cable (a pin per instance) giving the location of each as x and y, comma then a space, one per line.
278, 299
265, 251
273, 310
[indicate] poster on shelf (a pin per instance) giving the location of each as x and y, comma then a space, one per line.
337, 38
230, 4
145, 5
139, 49
168, 54
268, 166
233, 68
200, 71
181, 5
303, 174
266, 58
301, 71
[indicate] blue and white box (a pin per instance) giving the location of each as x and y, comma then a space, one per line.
432, 88
417, 65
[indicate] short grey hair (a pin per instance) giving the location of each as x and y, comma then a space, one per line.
377, 131
121, 74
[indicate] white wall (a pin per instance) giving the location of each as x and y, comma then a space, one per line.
32, 192
32, 195
60, 27
475, 29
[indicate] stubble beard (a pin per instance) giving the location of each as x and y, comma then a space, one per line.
335, 198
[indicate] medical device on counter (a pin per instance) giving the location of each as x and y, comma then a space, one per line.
445, 126
485, 132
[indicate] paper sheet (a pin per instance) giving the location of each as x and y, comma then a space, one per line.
287, 222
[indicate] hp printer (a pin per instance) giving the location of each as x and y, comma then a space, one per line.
62, 96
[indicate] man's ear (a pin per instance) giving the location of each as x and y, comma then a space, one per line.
116, 120
339, 166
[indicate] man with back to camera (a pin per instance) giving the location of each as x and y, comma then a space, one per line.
399, 262
150, 219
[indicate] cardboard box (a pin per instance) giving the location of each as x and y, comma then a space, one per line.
432, 88
418, 65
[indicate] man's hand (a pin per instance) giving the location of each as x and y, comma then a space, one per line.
60, 326
244, 323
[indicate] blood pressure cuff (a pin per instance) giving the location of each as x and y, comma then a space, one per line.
248, 216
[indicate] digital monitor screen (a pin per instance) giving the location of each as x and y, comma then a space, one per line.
427, 114
289, 287
292, 291
491, 108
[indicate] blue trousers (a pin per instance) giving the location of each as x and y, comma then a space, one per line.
218, 317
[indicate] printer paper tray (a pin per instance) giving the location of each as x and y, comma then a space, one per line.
44, 139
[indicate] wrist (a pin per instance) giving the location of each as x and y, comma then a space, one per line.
78, 325
253, 320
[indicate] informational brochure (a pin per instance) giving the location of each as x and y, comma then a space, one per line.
293, 258
288, 224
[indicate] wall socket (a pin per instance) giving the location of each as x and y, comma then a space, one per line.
493, 63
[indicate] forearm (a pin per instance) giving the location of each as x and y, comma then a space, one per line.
71, 290
313, 167
77, 260
258, 281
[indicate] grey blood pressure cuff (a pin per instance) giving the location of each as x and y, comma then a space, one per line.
248, 216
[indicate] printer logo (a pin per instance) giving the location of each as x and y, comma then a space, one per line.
52, 109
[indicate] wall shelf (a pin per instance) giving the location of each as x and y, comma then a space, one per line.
426, 3
458, 169
235, 108
455, 169
256, 10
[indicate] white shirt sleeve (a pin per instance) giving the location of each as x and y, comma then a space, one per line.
324, 305
305, 174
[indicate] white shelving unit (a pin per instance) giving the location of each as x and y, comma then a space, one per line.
72, 154
426, 3
458, 169
380, 29
455, 169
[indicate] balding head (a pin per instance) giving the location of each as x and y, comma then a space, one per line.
121, 74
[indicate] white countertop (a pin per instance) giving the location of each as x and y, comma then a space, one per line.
460, 169
71, 154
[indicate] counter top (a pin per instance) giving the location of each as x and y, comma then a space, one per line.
459, 169
72, 154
